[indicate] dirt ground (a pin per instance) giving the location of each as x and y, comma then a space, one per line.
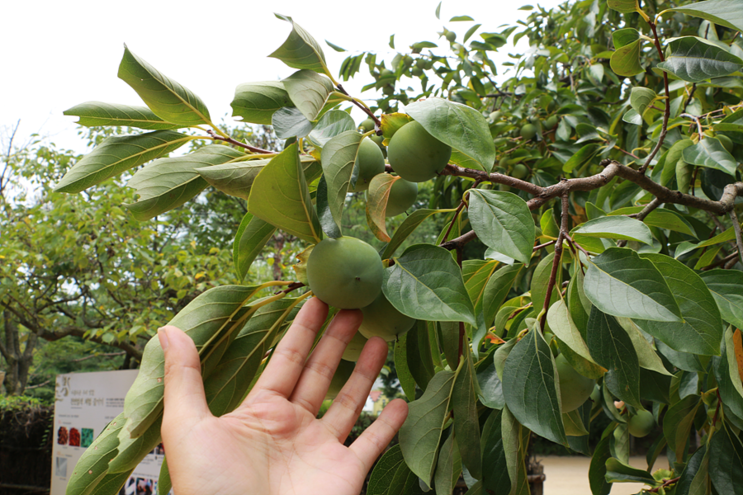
569, 476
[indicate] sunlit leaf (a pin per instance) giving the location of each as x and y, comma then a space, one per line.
256, 102
96, 113
503, 222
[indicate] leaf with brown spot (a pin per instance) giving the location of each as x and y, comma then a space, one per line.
376, 204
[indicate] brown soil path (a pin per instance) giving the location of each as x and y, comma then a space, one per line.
569, 475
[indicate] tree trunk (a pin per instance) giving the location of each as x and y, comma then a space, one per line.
19, 361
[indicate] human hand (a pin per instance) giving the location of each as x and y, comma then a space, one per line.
273, 443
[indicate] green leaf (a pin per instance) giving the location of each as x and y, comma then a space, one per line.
646, 355
290, 122
624, 6
540, 281
391, 476
407, 227
625, 61
497, 288
597, 469
616, 227
167, 183
513, 447
695, 59
96, 113
448, 466
203, 320
118, 154
420, 434
728, 377
227, 384
661, 218
640, 98
338, 159
309, 91
726, 287
531, 389
573, 422
725, 460
701, 328
256, 102
236, 179
620, 283
461, 127
461, 18
300, 50
490, 386
476, 274
252, 235
426, 283
694, 479
503, 222
112, 483
496, 476
722, 12
617, 471
466, 423
280, 197
583, 156
133, 450
327, 222
92, 467
709, 152
166, 98
404, 375
612, 348
677, 423
335, 47
562, 325
418, 353
330, 125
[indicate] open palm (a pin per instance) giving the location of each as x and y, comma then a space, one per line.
273, 443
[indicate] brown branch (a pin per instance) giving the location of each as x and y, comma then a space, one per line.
665, 484
254, 149
540, 246
363, 108
724, 260
667, 110
557, 262
649, 208
697, 121
290, 287
689, 98
494, 178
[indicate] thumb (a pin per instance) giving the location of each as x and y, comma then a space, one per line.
185, 402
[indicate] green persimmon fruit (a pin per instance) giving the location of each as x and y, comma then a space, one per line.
381, 319
402, 196
451, 36
367, 125
528, 131
377, 139
726, 142
550, 122
417, 71
641, 424
341, 376
415, 155
575, 388
504, 162
345, 273
386, 73
354, 348
388, 90
519, 171
370, 162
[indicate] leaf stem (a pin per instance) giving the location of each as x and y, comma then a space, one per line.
223, 137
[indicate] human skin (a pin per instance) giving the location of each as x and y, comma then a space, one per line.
273, 443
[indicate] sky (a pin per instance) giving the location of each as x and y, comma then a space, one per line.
56, 55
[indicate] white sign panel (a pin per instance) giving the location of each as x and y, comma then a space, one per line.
85, 404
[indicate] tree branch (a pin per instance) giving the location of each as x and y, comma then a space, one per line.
667, 110
254, 149
557, 262
738, 236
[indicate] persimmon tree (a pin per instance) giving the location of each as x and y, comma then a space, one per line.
592, 244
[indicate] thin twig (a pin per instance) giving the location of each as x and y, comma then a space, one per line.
292, 286
363, 108
649, 208
689, 98
665, 484
540, 246
738, 236
217, 137
667, 112
698, 122
557, 262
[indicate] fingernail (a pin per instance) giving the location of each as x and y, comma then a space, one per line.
163, 336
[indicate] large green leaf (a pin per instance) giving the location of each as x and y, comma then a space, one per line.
646, 355
620, 283
256, 102
700, 330
330, 125
377, 197
562, 325
448, 466
709, 152
118, 154
540, 283
728, 376
497, 288
92, 467
96, 113
167, 183
612, 348
725, 460
407, 227
133, 449
426, 283
252, 235
597, 469
476, 274
624, 6
166, 98
289, 122
338, 159
236, 179
694, 480
617, 471
466, 425
503, 222
640, 98
616, 227
531, 389
391, 476
300, 50
511, 432
327, 222
625, 61
228, 383
205, 318
461, 127
280, 197
495, 477
661, 218
726, 287
677, 423
695, 59
420, 434
309, 91
726, 13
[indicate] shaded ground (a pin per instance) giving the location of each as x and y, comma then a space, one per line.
569, 475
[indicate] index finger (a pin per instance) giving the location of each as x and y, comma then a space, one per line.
287, 362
